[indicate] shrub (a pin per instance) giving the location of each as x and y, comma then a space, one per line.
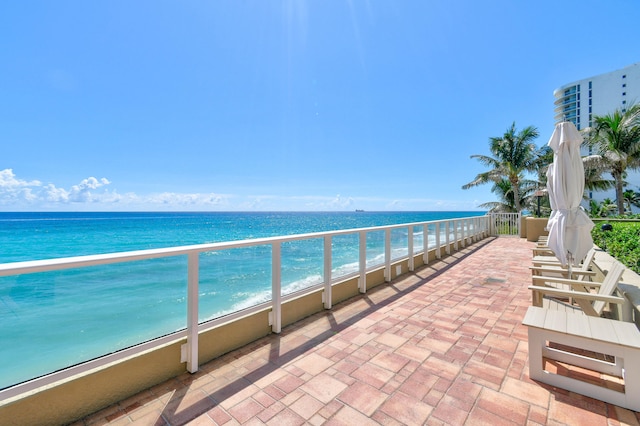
622, 242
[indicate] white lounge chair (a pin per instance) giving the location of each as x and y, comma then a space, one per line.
587, 302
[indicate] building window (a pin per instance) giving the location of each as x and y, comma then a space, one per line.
589, 85
589, 110
624, 76
624, 93
589, 93
624, 84
589, 102
624, 102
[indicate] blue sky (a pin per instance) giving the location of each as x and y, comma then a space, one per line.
282, 105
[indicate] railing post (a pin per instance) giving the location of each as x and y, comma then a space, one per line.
327, 272
476, 229
387, 255
438, 248
362, 259
410, 247
192, 312
425, 243
456, 224
447, 237
463, 226
276, 287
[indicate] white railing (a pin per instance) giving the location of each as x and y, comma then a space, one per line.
446, 233
505, 224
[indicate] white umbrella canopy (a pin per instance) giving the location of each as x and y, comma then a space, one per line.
569, 225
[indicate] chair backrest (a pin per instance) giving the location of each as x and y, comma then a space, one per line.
607, 288
591, 254
586, 264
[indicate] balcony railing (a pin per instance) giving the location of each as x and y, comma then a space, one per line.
409, 242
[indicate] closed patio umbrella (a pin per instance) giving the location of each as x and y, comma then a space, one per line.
569, 225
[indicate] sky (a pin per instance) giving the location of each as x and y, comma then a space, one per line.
282, 105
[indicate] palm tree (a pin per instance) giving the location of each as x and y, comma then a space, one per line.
506, 195
513, 154
616, 139
631, 198
602, 209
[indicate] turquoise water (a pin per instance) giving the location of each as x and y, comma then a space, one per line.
53, 320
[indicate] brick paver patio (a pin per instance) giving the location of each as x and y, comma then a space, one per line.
442, 345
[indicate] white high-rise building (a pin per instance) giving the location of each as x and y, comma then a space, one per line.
602, 94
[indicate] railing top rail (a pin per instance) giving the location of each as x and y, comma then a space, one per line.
45, 265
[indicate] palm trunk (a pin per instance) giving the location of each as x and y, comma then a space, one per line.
619, 193
516, 196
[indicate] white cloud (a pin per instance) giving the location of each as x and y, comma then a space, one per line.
186, 201
95, 194
8, 181
341, 202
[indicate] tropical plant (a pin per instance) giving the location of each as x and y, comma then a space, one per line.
631, 198
616, 140
593, 180
506, 196
622, 241
607, 207
513, 154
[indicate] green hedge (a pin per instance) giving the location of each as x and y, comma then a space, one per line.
622, 242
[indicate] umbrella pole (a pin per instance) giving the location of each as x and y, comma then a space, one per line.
570, 261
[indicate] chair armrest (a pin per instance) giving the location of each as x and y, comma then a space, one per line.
548, 263
567, 281
576, 294
541, 251
541, 270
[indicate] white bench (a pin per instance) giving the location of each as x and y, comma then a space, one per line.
616, 338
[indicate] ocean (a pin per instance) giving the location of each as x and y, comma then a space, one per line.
53, 320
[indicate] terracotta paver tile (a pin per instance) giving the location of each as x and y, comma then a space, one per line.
313, 363
406, 409
363, 397
479, 416
464, 392
440, 367
391, 340
286, 417
418, 384
390, 361
373, 375
529, 392
219, 415
450, 414
268, 413
349, 416
323, 387
288, 383
264, 398
504, 406
412, 351
306, 406
202, 420
245, 410
485, 374
576, 410
292, 397
242, 393
187, 407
